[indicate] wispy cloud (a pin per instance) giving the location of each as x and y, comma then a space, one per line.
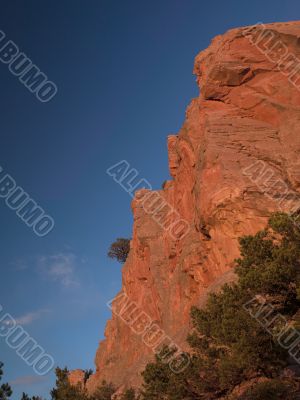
59, 268
28, 318
28, 380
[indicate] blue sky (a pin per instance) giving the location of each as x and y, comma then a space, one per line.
124, 75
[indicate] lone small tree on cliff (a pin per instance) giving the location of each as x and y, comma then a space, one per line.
119, 249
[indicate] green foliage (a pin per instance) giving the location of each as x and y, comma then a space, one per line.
161, 383
129, 394
64, 390
269, 390
5, 389
87, 374
104, 392
270, 262
228, 340
26, 397
228, 346
119, 249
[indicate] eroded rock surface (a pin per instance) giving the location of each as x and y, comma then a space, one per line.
247, 113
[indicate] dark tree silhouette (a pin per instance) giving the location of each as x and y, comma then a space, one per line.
26, 397
104, 392
119, 249
5, 389
64, 390
129, 394
87, 374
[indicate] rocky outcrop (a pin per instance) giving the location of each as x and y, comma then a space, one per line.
76, 377
235, 156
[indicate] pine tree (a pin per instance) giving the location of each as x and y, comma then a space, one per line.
104, 392
87, 374
64, 390
129, 394
5, 389
228, 346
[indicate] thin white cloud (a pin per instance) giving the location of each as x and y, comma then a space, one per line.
27, 319
28, 380
59, 268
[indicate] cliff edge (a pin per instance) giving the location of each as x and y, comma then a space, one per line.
235, 160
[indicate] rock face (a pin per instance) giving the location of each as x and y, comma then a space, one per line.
235, 160
76, 377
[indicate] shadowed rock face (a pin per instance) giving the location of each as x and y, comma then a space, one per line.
248, 112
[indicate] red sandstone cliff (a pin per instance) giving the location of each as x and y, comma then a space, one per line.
248, 110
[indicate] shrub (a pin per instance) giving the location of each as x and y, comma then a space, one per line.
119, 249
5, 389
104, 392
64, 390
129, 394
270, 390
228, 346
87, 374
